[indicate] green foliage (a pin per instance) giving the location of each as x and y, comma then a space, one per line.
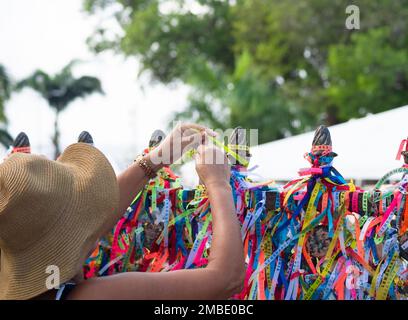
60, 90
280, 66
170, 44
253, 101
368, 75
5, 92
5, 138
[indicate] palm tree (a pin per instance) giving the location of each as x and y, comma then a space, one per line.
60, 90
5, 90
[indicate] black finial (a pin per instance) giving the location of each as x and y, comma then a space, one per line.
156, 137
322, 137
85, 137
21, 141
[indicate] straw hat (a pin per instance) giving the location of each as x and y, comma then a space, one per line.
51, 214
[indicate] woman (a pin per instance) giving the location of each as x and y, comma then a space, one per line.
52, 212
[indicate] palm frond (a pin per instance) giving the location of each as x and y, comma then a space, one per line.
84, 86
5, 138
38, 81
68, 68
5, 91
5, 84
63, 88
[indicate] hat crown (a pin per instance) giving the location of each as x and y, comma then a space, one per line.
51, 214
31, 188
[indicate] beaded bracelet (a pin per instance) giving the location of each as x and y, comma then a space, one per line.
148, 170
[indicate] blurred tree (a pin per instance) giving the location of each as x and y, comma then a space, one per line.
271, 64
370, 74
5, 91
60, 90
294, 39
253, 101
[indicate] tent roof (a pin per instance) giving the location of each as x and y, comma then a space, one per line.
366, 148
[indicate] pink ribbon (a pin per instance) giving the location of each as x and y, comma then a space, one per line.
310, 171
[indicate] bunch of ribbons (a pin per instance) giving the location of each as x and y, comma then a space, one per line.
317, 237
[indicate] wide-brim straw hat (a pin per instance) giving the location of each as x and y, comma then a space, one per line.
51, 215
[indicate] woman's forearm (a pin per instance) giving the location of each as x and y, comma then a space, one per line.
226, 249
131, 182
222, 278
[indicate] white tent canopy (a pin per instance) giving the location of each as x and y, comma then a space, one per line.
366, 149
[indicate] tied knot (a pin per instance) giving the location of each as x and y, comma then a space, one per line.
316, 172
318, 160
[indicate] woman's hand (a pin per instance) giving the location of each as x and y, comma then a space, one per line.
212, 166
184, 137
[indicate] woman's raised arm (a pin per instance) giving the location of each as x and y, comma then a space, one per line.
224, 274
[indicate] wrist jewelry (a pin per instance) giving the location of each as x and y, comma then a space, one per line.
146, 167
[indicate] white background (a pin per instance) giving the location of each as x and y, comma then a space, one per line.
47, 34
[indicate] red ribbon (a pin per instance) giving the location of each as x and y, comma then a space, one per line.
21, 150
401, 147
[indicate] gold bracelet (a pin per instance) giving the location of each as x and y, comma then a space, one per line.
146, 167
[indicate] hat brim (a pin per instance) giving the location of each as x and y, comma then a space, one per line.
87, 213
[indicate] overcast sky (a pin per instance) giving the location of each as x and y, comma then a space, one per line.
47, 34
